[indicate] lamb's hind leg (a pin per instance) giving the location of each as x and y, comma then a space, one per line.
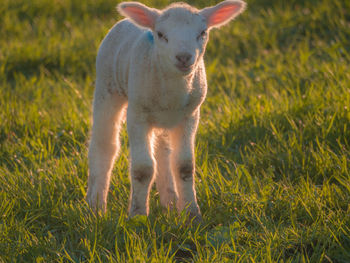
164, 178
104, 145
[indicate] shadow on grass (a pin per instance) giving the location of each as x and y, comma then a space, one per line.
291, 143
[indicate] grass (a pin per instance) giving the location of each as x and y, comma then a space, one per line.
273, 151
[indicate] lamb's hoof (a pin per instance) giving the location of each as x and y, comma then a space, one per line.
195, 218
136, 211
194, 215
95, 207
170, 206
168, 200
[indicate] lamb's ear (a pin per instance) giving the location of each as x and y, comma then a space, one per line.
139, 13
223, 12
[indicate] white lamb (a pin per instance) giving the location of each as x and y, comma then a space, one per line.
152, 64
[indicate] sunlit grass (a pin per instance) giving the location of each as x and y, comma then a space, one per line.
272, 148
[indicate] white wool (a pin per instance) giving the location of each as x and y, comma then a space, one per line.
152, 65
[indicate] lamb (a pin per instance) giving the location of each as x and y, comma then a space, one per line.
151, 66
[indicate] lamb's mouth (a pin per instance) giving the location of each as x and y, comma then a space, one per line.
184, 68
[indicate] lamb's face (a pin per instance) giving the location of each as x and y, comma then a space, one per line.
180, 38
181, 31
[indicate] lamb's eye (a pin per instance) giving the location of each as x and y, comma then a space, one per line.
202, 34
162, 36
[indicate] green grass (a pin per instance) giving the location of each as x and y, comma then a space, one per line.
273, 149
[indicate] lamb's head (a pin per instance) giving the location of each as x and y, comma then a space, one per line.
180, 32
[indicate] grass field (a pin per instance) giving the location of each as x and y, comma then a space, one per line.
273, 151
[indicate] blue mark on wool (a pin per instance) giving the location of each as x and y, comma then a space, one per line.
150, 37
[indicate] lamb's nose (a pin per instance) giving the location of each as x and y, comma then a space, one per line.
183, 57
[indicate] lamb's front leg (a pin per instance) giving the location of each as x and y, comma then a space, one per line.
183, 164
142, 165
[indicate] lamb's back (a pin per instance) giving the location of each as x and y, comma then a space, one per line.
114, 54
